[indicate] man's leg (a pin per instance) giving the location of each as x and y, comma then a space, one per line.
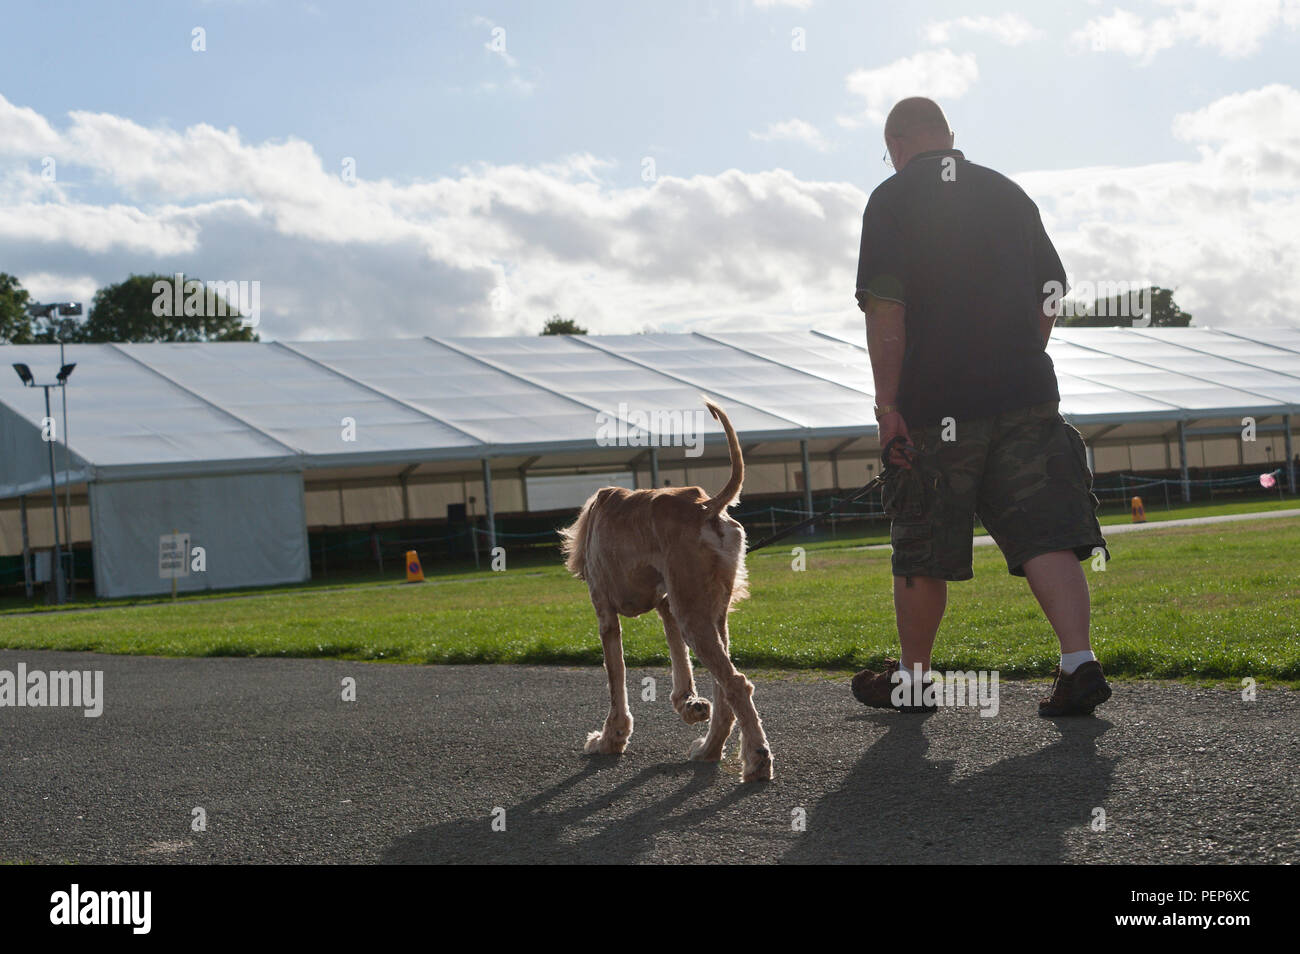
919, 610
1039, 507
1061, 589
932, 507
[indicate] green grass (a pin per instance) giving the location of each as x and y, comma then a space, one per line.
1108, 515
1112, 515
1211, 602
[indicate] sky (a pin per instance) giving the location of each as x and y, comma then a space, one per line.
396, 169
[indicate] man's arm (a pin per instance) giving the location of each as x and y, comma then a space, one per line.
1046, 320
1049, 273
886, 341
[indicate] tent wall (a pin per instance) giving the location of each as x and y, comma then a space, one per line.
40, 525
339, 503
252, 528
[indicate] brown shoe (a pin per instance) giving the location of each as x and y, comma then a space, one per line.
876, 689
1076, 694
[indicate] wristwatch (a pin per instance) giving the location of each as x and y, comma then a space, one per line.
882, 410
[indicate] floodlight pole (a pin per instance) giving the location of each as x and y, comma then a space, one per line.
67, 488
54, 503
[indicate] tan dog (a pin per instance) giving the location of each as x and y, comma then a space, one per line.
678, 551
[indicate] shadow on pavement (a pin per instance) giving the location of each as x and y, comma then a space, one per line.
896, 806
575, 835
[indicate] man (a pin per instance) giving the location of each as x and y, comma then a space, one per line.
953, 276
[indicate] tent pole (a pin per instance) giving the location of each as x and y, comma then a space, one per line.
1182, 461
27, 548
1290, 460
487, 502
654, 467
807, 480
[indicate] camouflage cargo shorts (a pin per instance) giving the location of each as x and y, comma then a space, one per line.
1024, 473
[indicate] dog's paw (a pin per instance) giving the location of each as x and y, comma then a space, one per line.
698, 753
605, 743
758, 766
696, 710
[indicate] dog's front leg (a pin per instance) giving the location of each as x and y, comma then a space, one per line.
613, 738
686, 700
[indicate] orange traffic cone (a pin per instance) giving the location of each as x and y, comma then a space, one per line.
414, 572
1139, 512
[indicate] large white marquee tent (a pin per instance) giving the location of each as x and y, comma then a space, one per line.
246, 445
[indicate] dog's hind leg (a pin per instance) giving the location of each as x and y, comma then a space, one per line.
612, 739
712, 645
686, 700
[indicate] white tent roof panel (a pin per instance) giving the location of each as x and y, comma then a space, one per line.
172, 409
811, 354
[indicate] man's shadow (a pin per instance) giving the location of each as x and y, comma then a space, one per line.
573, 835
897, 807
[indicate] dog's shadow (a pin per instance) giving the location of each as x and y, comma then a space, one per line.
574, 835
897, 807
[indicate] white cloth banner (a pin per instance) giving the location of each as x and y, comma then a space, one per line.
251, 527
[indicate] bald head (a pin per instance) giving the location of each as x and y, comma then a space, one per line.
915, 125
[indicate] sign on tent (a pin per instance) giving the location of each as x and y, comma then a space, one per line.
173, 555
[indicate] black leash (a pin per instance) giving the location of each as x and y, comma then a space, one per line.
854, 497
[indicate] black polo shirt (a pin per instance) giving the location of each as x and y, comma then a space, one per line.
963, 249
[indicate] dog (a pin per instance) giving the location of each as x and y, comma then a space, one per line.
675, 550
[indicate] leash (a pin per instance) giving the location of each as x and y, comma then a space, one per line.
854, 497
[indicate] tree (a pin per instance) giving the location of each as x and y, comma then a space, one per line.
562, 326
15, 323
1165, 313
1116, 313
130, 311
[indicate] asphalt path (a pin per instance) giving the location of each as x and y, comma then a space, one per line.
420, 765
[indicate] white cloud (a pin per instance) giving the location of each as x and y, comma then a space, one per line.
51, 286
793, 130
738, 249
1269, 116
939, 74
1233, 27
798, 4
383, 258
1009, 28
1219, 228
24, 131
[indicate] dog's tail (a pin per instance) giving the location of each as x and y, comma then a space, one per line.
573, 538
729, 494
